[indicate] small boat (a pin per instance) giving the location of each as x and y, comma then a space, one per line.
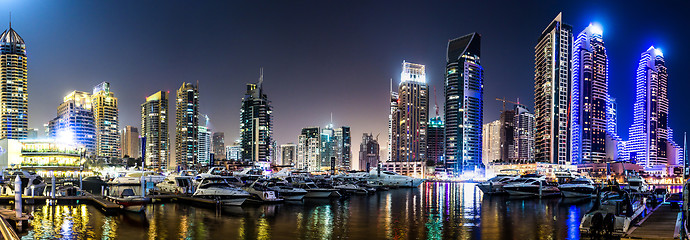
349, 188
580, 187
262, 194
176, 184
532, 185
129, 201
612, 214
495, 185
313, 191
218, 188
284, 189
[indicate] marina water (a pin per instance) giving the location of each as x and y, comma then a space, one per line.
435, 210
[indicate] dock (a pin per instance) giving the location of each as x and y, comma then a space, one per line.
659, 224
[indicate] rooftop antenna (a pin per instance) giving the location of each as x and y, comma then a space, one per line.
10, 19
435, 101
331, 119
391, 84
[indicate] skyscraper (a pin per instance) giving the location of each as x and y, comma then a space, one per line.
368, 152
409, 122
552, 73
187, 125
392, 127
328, 148
14, 94
309, 150
219, 145
154, 131
131, 147
464, 93
343, 148
105, 114
435, 141
491, 142
649, 133
256, 124
589, 97
233, 152
288, 154
204, 156
523, 136
506, 135
75, 123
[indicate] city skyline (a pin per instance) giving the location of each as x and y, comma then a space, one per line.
223, 115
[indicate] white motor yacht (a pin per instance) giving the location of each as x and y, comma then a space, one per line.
612, 214
637, 184
285, 190
218, 188
579, 187
261, 193
313, 191
495, 185
393, 179
177, 184
134, 178
30, 180
532, 185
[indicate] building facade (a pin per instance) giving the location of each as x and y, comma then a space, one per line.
464, 94
552, 76
256, 124
589, 98
219, 145
105, 114
523, 136
409, 122
288, 153
343, 148
187, 126
368, 152
204, 156
131, 147
154, 131
435, 142
491, 142
233, 152
75, 122
14, 94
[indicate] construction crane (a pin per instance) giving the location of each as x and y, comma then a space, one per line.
504, 102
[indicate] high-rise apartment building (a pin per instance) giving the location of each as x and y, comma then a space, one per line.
392, 119
204, 155
219, 145
14, 94
552, 76
522, 150
75, 123
187, 126
435, 141
233, 152
464, 94
409, 122
309, 150
256, 124
368, 152
288, 153
131, 147
343, 148
650, 142
154, 131
589, 97
491, 142
105, 114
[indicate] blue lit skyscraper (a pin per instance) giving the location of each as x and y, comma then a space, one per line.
648, 143
589, 97
464, 89
14, 110
256, 124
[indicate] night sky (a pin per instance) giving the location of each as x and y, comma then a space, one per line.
323, 56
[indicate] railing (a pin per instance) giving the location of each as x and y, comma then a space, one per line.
6, 230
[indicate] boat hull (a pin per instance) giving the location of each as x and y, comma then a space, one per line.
577, 191
322, 194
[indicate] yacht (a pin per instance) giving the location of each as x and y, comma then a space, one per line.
637, 184
218, 188
347, 187
285, 190
177, 184
261, 193
393, 179
612, 213
249, 175
532, 185
495, 184
30, 180
134, 178
129, 200
579, 187
313, 191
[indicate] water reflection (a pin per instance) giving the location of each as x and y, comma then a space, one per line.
433, 211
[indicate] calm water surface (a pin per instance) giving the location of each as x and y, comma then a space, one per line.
432, 211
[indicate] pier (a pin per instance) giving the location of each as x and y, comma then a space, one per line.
658, 224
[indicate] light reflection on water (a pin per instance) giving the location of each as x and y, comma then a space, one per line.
432, 211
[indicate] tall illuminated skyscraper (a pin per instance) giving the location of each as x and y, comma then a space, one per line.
410, 120
105, 114
131, 146
204, 156
75, 123
464, 94
219, 145
368, 152
552, 73
14, 94
392, 118
589, 98
523, 136
309, 149
256, 124
435, 141
187, 125
154, 131
491, 142
649, 134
